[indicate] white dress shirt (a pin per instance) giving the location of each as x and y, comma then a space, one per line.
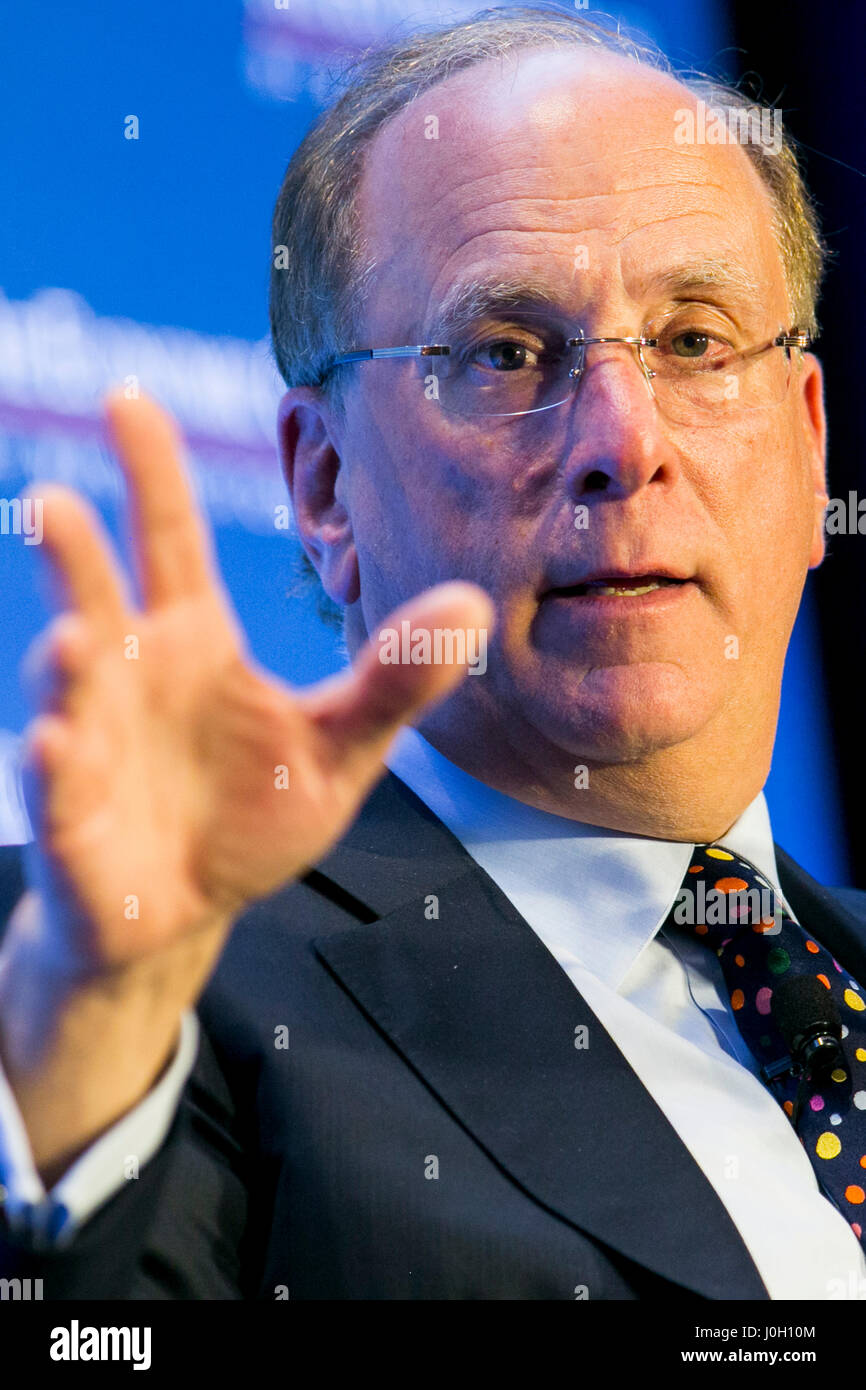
596, 898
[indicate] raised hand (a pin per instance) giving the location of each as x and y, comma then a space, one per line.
169, 780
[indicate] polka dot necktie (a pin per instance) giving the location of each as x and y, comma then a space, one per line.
730, 907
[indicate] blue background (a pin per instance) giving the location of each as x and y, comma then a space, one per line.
174, 229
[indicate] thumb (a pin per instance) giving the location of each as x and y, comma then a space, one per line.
418, 655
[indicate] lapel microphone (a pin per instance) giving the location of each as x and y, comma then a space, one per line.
806, 1016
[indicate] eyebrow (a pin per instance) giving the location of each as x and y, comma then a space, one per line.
728, 276
467, 302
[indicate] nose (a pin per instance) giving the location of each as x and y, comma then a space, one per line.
616, 440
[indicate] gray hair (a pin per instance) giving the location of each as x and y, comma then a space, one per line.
321, 271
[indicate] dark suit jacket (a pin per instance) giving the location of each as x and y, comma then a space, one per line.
431, 1131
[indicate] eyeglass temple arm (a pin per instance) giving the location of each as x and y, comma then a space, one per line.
365, 354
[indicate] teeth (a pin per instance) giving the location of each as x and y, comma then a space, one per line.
620, 590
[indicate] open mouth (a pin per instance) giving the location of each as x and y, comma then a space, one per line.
618, 588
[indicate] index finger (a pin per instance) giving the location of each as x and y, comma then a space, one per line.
171, 544
82, 556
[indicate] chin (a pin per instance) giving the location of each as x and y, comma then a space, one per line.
621, 714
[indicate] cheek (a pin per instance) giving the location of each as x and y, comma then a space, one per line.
754, 483
765, 506
457, 492
419, 516
781, 500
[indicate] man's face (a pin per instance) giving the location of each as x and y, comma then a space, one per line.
563, 169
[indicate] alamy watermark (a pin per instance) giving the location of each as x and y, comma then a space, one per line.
845, 518
22, 516
729, 125
714, 908
439, 646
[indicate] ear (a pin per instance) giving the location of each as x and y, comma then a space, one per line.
811, 387
308, 444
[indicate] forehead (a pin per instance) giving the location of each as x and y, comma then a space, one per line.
516, 163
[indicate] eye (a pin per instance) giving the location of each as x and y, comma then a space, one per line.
504, 355
690, 343
684, 346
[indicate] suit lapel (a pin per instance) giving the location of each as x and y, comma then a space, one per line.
481, 1010
818, 911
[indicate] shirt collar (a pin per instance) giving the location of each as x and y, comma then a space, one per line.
598, 895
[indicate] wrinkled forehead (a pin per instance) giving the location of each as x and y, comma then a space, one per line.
520, 161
